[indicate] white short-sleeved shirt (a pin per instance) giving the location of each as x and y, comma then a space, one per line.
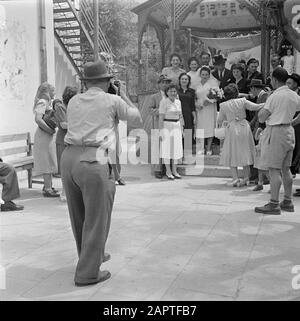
282, 104
91, 118
171, 110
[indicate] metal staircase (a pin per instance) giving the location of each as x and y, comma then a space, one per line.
74, 29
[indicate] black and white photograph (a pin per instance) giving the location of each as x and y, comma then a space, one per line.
149, 153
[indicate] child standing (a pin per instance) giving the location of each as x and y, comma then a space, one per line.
262, 171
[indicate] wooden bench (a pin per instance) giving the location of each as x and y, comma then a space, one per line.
20, 163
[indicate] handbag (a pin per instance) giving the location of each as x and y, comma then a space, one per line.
221, 131
49, 119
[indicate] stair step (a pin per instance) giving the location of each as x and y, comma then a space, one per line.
68, 28
207, 171
64, 19
62, 10
70, 36
78, 44
77, 52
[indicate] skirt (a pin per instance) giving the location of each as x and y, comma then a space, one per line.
44, 153
171, 146
239, 148
206, 120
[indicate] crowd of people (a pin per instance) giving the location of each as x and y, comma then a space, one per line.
259, 118
241, 102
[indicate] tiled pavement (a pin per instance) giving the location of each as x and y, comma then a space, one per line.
194, 239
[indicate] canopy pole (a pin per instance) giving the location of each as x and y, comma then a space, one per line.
263, 39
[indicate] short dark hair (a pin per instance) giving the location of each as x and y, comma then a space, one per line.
172, 85
184, 74
231, 92
175, 55
280, 74
193, 59
238, 66
205, 68
68, 93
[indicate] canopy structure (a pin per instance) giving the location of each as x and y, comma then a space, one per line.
240, 43
222, 24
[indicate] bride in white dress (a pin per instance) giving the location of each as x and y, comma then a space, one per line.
206, 110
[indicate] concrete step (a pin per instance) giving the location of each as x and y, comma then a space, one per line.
206, 171
208, 160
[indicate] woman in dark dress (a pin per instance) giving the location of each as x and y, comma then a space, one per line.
240, 80
187, 96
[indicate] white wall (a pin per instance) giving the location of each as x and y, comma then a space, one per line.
20, 62
65, 74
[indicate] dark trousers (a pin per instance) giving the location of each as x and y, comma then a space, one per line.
90, 196
9, 179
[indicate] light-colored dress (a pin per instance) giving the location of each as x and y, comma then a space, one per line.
171, 145
206, 115
44, 153
195, 78
239, 147
172, 74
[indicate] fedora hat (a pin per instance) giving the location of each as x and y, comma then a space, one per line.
219, 59
256, 83
95, 70
296, 78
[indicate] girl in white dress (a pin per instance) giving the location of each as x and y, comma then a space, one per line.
171, 128
193, 64
206, 110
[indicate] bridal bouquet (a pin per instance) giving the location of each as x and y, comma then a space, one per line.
215, 93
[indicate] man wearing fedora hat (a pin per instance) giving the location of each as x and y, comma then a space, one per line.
85, 173
153, 105
221, 73
293, 83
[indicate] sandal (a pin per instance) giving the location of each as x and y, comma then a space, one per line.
177, 176
170, 176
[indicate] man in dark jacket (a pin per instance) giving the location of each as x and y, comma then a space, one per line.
221, 73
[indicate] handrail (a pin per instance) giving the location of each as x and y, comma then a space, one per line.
89, 20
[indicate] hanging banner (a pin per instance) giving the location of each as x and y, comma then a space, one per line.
234, 44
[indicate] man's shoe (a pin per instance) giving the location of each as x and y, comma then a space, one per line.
11, 206
287, 206
102, 276
106, 257
297, 194
121, 182
270, 208
258, 187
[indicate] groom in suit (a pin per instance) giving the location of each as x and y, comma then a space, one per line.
221, 73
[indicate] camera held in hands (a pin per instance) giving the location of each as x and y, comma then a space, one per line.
112, 89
